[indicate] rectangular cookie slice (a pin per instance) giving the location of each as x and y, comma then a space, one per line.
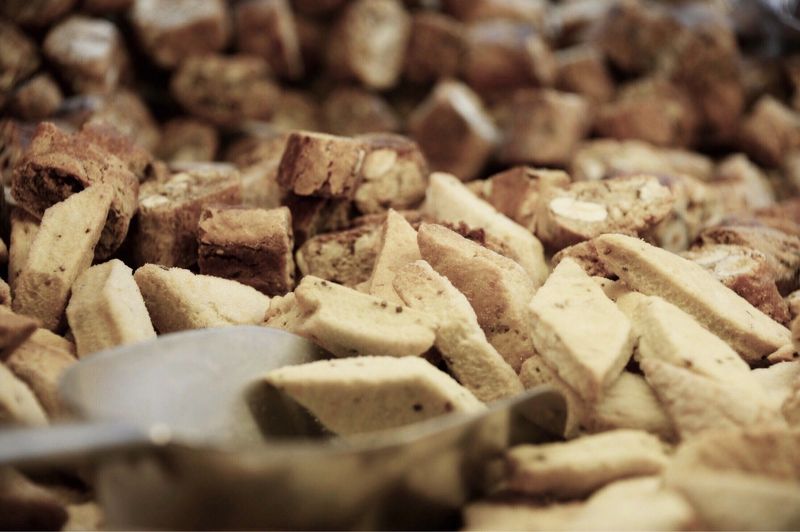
459, 338
579, 331
690, 287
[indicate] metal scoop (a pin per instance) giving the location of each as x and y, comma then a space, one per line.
184, 435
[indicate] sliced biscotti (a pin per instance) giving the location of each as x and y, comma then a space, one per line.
177, 300
579, 331
585, 254
165, 231
57, 165
513, 514
654, 271
449, 200
578, 467
583, 210
18, 405
24, 227
365, 394
747, 272
397, 247
345, 257
63, 248
459, 338
498, 289
347, 322
106, 309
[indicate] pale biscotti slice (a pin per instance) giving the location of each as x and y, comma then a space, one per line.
578, 467
537, 372
396, 248
449, 200
529, 516
14, 329
778, 380
579, 331
459, 338
654, 271
498, 288
24, 227
63, 248
107, 309
364, 394
18, 405
347, 322
178, 299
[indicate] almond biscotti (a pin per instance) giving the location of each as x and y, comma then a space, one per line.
24, 227
496, 287
356, 395
459, 338
396, 248
106, 309
689, 286
62, 249
345, 257
579, 331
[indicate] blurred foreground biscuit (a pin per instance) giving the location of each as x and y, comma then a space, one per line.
27, 506
18, 404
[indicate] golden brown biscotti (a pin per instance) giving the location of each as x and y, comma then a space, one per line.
579, 331
459, 338
515, 192
344, 257
57, 165
687, 285
256, 20
497, 288
106, 309
18, 404
397, 246
365, 394
350, 110
62, 249
585, 254
257, 157
249, 245
165, 231
436, 47
178, 300
188, 140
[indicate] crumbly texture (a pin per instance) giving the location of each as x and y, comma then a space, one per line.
585, 254
587, 209
459, 338
579, 331
687, 285
178, 300
251, 246
62, 249
497, 288
345, 257
106, 309
515, 192
365, 394
169, 211
57, 165
397, 247
578, 467
349, 323
313, 216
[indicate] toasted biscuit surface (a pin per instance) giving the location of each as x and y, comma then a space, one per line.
459, 338
653, 271
364, 394
396, 248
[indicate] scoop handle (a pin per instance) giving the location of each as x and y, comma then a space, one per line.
73, 442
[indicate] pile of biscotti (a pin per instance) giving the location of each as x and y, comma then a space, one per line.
458, 200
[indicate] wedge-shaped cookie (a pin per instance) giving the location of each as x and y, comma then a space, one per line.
449, 200
364, 394
177, 300
579, 331
634, 504
40, 363
106, 309
14, 329
62, 249
689, 286
24, 227
497, 288
518, 515
347, 322
18, 405
697, 403
578, 467
28, 506
396, 248
459, 338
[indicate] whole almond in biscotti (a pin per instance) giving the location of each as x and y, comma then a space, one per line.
165, 232
579, 331
57, 165
450, 201
694, 290
459, 338
318, 164
267, 28
515, 192
62, 249
497, 288
364, 394
584, 210
349, 323
106, 309
396, 248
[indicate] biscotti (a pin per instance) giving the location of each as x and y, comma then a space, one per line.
396, 248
